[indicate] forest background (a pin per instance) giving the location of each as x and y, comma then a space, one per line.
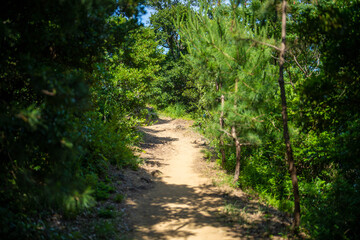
76, 77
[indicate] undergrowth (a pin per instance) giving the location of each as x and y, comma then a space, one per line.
176, 111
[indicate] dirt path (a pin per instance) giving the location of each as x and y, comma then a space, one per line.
176, 201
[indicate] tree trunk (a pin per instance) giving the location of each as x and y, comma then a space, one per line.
238, 157
238, 154
222, 150
237, 143
289, 152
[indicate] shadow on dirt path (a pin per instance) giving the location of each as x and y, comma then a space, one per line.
180, 203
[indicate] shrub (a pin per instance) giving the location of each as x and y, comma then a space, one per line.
105, 229
107, 212
119, 198
103, 191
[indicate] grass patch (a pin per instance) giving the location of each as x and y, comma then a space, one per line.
235, 213
176, 111
207, 154
224, 179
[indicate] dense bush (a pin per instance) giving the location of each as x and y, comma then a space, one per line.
74, 77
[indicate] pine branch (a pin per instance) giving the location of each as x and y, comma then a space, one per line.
255, 118
292, 84
252, 118
243, 56
274, 125
226, 132
231, 136
224, 53
262, 43
306, 73
248, 86
298, 64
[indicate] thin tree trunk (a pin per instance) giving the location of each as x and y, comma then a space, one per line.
238, 154
289, 152
222, 150
237, 143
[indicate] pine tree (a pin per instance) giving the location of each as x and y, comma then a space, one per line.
235, 74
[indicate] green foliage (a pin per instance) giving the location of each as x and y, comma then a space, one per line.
330, 119
79, 200
46, 60
119, 198
91, 179
177, 110
207, 154
107, 212
226, 65
24, 227
103, 191
174, 86
105, 229
74, 81
107, 143
166, 31
334, 215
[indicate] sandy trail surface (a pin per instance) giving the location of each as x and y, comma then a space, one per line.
181, 203
176, 201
